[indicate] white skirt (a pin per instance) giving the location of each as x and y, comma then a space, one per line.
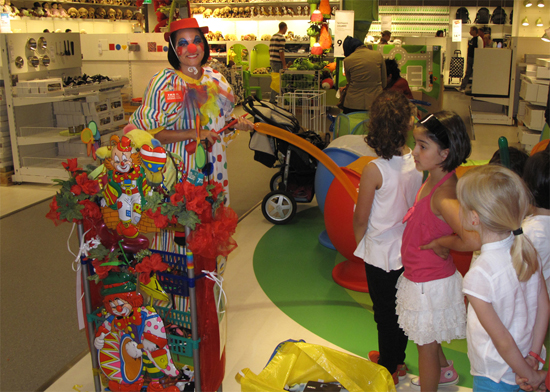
432, 311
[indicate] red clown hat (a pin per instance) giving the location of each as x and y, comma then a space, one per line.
125, 144
187, 23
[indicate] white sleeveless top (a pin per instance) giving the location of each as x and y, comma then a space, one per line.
381, 245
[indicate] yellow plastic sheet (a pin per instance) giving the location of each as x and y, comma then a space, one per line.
302, 362
276, 81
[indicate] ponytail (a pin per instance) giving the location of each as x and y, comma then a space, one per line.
502, 201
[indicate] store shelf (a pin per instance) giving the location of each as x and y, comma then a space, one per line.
42, 135
249, 3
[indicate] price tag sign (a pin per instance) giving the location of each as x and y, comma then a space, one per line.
457, 30
5, 23
386, 23
343, 27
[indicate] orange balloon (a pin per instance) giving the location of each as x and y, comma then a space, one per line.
313, 151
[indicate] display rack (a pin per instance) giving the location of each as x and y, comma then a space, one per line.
413, 20
37, 142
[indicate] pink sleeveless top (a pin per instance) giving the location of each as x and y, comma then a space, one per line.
422, 228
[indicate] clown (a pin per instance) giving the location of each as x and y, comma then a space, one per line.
127, 185
132, 344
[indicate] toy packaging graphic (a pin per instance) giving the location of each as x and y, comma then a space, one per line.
145, 333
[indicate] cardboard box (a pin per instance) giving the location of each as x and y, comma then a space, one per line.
541, 62
528, 91
543, 73
542, 93
534, 117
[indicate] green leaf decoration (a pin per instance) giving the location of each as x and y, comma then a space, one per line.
153, 201
189, 219
99, 253
142, 254
94, 278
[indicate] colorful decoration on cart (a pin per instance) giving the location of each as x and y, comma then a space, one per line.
132, 345
91, 137
202, 209
77, 198
127, 185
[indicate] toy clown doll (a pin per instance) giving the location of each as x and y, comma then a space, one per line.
127, 185
132, 344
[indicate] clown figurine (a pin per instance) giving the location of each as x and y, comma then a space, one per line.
132, 344
127, 185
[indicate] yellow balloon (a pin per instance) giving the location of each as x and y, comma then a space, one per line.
86, 135
312, 150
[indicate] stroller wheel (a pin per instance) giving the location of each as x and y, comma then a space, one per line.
279, 207
276, 181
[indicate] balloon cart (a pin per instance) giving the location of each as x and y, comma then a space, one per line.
152, 322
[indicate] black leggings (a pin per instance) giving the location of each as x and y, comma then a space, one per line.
392, 341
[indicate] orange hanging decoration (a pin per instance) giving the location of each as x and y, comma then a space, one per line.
324, 39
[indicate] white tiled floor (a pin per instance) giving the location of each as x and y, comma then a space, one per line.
255, 325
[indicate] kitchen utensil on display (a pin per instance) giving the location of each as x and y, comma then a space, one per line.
42, 43
19, 62
31, 44
34, 61
72, 48
45, 60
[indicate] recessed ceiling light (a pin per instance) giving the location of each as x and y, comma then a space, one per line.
527, 3
540, 3
525, 21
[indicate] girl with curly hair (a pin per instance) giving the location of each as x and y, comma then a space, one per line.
386, 191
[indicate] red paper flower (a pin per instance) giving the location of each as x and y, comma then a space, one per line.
148, 265
89, 187
76, 189
176, 198
160, 220
103, 271
71, 165
91, 210
53, 214
218, 188
180, 188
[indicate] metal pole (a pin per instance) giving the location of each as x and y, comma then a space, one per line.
193, 301
91, 327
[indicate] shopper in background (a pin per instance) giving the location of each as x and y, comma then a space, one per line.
395, 81
439, 33
175, 96
387, 190
277, 54
475, 42
365, 71
508, 307
385, 39
481, 34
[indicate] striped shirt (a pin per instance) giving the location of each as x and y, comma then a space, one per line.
276, 45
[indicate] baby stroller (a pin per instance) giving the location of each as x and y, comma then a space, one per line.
294, 183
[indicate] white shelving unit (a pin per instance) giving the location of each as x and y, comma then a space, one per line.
37, 143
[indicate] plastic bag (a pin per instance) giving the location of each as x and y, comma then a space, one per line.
275, 82
298, 362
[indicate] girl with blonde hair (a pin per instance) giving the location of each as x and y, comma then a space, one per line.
508, 307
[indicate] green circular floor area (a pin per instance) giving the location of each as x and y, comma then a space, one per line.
295, 272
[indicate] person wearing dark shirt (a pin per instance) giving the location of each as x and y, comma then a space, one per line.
395, 81
475, 42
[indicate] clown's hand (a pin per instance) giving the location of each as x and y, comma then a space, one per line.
133, 350
99, 341
149, 346
103, 203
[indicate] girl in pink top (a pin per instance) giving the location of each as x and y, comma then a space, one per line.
430, 304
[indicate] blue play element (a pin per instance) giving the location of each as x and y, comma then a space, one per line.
323, 177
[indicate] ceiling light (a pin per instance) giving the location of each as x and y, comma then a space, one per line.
540, 3
525, 22
545, 37
527, 3
539, 22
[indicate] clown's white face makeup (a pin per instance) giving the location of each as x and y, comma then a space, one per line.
189, 47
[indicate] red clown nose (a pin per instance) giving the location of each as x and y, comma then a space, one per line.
192, 48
